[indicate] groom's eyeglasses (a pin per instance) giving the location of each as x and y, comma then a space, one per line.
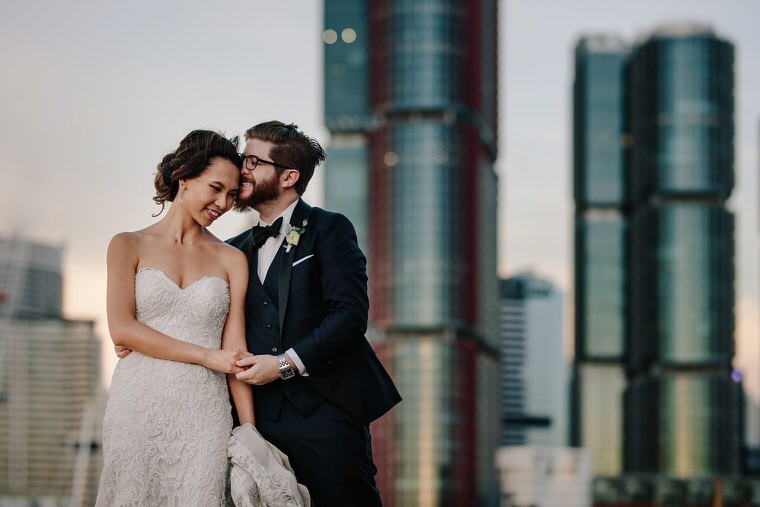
252, 161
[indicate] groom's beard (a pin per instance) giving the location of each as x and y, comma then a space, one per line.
267, 190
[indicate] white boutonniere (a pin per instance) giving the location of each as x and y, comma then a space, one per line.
294, 235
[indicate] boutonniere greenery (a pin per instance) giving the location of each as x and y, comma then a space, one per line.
294, 235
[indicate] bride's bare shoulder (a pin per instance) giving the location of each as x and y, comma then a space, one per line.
123, 249
229, 252
132, 238
134, 243
232, 258
125, 239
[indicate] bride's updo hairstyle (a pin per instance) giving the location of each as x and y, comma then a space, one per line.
193, 156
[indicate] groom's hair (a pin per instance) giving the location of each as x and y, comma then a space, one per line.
292, 148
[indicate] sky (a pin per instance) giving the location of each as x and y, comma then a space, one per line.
94, 93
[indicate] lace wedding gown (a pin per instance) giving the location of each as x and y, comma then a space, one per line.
167, 424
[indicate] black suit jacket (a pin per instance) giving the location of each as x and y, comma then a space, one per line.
322, 306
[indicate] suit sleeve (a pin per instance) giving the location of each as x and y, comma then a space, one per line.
344, 291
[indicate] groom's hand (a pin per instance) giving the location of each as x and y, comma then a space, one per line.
260, 370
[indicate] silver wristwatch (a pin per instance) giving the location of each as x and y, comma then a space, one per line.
286, 371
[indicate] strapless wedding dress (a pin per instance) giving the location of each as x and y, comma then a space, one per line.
167, 424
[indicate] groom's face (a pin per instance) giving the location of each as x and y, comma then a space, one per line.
260, 184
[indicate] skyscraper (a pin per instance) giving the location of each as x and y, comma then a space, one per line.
51, 397
31, 284
600, 229
683, 410
534, 385
348, 114
410, 99
655, 253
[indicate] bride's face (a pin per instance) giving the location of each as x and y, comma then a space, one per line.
212, 193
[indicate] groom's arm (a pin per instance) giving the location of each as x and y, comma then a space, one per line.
344, 291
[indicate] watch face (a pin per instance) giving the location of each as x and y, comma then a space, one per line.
286, 371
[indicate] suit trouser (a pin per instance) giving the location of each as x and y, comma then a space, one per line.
331, 454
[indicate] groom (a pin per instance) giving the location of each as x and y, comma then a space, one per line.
317, 382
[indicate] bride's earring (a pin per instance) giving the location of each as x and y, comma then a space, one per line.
181, 189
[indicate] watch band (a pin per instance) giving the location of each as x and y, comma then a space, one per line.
286, 371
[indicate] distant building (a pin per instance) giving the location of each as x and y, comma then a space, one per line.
411, 104
31, 280
534, 387
51, 397
654, 166
600, 244
683, 407
534, 476
658, 489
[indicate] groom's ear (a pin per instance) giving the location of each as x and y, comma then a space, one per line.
289, 177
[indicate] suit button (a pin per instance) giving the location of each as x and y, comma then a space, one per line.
269, 326
279, 398
274, 349
265, 303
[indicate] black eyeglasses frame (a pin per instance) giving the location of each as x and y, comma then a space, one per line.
251, 162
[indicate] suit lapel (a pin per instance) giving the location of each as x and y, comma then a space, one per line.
300, 213
252, 254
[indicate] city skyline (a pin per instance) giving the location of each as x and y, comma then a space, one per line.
100, 93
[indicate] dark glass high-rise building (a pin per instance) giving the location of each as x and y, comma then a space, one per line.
683, 411
348, 113
410, 101
654, 142
600, 229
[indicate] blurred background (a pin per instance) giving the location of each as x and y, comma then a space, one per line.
558, 201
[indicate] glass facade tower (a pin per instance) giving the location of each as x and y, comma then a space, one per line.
654, 248
600, 232
410, 101
683, 411
655, 255
348, 113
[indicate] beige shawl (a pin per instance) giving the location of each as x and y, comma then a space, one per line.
260, 474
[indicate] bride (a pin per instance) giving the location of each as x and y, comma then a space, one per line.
176, 298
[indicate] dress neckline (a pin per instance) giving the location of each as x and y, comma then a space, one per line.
161, 272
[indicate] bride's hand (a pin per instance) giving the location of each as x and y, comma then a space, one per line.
224, 360
121, 352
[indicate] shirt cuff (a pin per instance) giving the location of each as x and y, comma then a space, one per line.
299, 364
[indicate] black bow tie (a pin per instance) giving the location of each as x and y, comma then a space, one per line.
261, 233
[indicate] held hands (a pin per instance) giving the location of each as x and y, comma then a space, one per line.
258, 370
225, 361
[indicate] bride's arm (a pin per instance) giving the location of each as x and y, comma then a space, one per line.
234, 334
127, 332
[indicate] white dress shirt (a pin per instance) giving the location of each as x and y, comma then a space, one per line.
268, 250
